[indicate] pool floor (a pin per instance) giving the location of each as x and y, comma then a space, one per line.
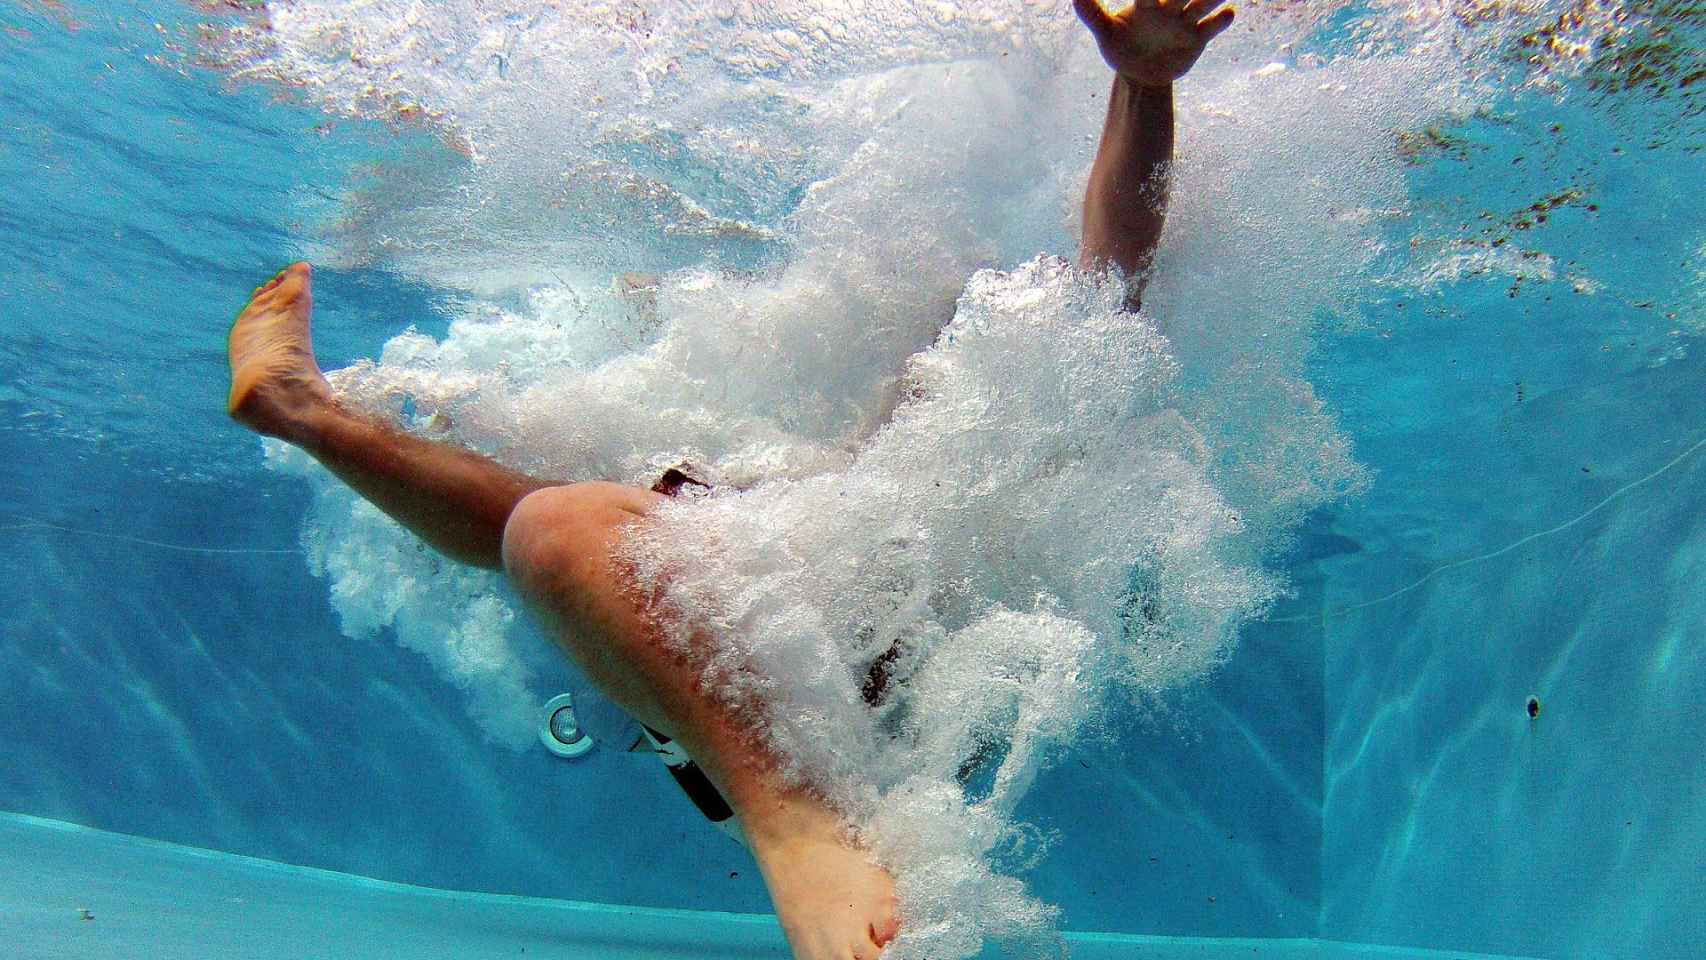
68, 891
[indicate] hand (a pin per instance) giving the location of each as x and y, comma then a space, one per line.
1154, 42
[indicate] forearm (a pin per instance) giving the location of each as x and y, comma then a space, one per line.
1125, 204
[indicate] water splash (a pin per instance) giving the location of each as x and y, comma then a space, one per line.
817, 218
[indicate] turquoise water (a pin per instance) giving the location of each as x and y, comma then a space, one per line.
132, 891
1523, 395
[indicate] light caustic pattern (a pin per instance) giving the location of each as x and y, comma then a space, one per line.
853, 209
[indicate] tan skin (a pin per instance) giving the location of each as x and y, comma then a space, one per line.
558, 543
1149, 45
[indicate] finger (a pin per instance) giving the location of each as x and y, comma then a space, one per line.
1094, 17
1216, 25
1196, 10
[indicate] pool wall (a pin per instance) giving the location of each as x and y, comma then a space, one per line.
1535, 531
70, 893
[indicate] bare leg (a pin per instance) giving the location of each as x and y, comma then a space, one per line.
559, 545
562, 552
453, 499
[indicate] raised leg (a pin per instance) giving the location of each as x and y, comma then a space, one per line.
455, 500
559, 545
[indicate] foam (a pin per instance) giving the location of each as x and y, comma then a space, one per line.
852, 215
457, 617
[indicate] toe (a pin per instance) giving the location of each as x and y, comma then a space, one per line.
887, 924
878, 934
293, 282
263, 288
297, 271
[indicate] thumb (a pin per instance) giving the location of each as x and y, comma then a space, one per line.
1094, 17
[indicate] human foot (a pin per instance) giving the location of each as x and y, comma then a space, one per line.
833, 902
275, 384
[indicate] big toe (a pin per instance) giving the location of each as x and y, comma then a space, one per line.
885, 926
290, 281
879, 932
294, 281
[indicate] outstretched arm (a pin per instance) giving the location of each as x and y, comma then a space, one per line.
1149, 44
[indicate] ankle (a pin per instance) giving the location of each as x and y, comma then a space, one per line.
792, 821
306, 425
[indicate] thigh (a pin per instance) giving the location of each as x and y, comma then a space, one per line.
560, 551
562, 525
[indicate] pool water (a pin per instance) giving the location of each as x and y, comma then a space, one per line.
1500, 314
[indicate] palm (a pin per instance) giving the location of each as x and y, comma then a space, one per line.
1154, 42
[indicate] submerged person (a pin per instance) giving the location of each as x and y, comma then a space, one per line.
560, 544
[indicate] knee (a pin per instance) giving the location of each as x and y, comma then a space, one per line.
554, 525
534, 535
